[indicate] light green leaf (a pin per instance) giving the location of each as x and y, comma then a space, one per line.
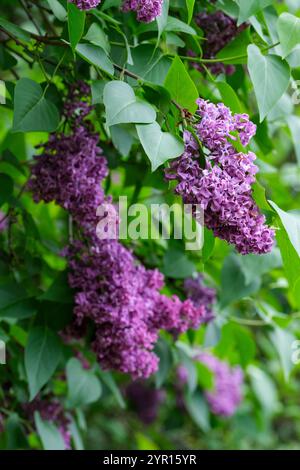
97, 36
15, 30
270, 76
251, 7
42, 355
50, 436
58, 10
190, 4
198, 410
159, 146
83, 386
96, 56
32, 111
122, 106
180, 86
291, 224
174, 24
293, 122
288, 27
282, 341
177, 265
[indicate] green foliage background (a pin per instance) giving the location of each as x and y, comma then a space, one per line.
258, 308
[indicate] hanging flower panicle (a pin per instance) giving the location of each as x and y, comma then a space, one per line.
224, 187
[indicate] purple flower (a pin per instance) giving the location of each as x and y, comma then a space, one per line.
147, 10
119, 296
3, 222
223, 188
219, 30
227, 393
145, 400
201, 295
85, 4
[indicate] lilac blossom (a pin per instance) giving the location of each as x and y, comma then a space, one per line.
112, 290
201, 295
145, 400
223, 188
85, 4
147, 10
226, 395
219, 30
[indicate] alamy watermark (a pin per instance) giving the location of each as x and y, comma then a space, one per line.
2, 352
152, 222
2, 92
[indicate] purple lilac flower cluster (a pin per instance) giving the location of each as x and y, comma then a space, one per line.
50, 410
85, 4
145, 400
119, 295
227, 393
3, 222
147, 10
201, 295
122, 299
219, 29
224, 187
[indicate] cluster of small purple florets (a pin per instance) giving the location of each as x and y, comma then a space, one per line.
145, 400
119, 295
147, 10
223, 188
227, 393
219, 30
85, 4
50, 410
200, 294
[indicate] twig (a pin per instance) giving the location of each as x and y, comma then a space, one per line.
28, 13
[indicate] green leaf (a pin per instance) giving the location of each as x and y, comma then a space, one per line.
50, 436
255, 266
96, 56
122, 106
159, 146
59, 291
176, 265
237, 344
42, 355
32, 111
233, 283
198, 410
291, 224
294, 126
251, 7
58, 10
180, 86
236, 49
11, 293
15, 30
205, 376
174, 24
270, 76
288, 27
282, 341
229, 97
264, 389
83, 386
76, 23
122, 139
97, 36
6, 189
190, 4
163, 18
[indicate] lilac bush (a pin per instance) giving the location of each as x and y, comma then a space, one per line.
146, 10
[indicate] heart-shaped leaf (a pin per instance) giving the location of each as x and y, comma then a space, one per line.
32, 111
270, 76
76, 22
288, 27
84, 387
123, 107
251, 7
159, 146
